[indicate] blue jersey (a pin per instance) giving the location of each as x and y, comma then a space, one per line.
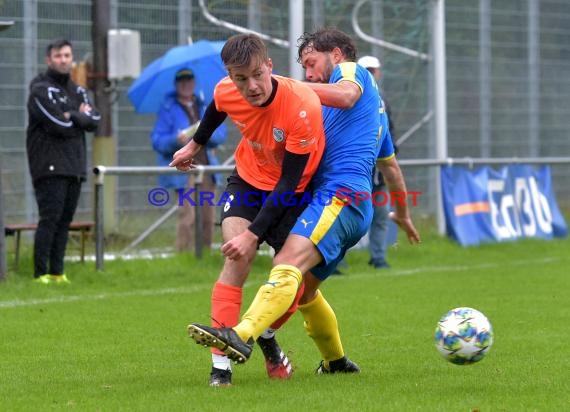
353, 136
386, 145
354, 140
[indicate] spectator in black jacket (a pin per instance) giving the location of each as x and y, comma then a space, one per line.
59, 114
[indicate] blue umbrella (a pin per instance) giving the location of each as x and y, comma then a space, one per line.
157, 79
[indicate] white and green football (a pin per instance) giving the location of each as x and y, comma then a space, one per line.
463, 336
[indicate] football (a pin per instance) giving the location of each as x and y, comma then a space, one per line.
463, 336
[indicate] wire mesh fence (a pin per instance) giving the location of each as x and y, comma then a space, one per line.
508, 90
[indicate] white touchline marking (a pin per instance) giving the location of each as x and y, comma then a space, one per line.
452, 268
102, 296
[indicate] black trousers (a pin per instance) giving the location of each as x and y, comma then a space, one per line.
57, 198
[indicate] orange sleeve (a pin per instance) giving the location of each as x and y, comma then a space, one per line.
307, 123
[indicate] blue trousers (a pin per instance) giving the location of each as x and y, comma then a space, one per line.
379, 228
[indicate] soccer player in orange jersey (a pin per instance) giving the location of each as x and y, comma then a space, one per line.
282, 142
356, 127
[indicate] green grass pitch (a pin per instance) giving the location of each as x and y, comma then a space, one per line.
116, 340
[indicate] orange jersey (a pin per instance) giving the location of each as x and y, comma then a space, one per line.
293, 122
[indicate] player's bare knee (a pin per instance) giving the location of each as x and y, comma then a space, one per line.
235, 272
284, 259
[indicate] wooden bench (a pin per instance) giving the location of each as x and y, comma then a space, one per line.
16, 229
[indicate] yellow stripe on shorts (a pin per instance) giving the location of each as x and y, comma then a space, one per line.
328, 217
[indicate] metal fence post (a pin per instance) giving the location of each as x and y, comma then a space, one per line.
99, 218
198, 214
4, 25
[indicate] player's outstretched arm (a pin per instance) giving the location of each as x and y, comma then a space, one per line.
183, 158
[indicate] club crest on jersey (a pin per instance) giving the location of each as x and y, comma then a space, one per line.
278, 134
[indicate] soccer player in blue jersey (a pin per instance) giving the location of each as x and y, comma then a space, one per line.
356, 130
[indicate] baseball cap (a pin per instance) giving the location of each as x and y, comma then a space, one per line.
369, 62
184, 74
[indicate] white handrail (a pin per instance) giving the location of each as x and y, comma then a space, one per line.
378, 42
239, 29
101, 171
414, 128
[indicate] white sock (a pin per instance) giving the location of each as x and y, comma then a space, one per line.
221, 362
268, 334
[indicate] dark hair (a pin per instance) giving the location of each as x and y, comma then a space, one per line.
57, 44
325, 40
241, 49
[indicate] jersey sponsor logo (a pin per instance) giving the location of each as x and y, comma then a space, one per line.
306, 142
255, 145
278, 134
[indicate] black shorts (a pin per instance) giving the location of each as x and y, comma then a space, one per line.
245, 201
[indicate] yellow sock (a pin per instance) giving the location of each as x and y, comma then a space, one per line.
322, 327
272, 300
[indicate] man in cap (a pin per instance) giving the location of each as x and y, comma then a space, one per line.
178, 117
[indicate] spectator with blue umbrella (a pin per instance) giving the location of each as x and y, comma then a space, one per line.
177, 87
177, 119
155, 82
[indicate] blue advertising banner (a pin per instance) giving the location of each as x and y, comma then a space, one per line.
486, 205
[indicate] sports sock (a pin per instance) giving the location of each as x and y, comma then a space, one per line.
272, 301
221, 362
226, 305
322, 327
268, 334
292, 309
